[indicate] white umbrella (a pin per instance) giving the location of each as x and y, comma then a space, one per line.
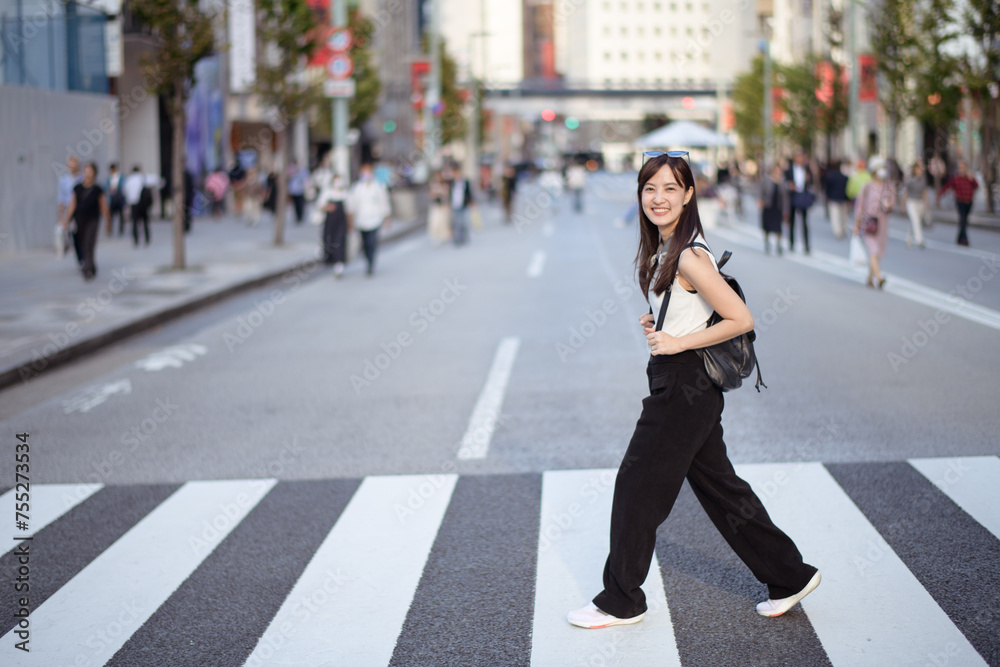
682, 133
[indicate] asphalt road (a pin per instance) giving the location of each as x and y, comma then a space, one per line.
428, 429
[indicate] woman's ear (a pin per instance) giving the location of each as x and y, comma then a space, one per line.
688, 195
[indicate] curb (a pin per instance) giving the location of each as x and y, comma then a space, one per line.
24, 371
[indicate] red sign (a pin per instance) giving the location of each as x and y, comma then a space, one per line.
868, 83
340, 41
340, 67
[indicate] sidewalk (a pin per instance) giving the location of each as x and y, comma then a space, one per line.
49, 315
978, 218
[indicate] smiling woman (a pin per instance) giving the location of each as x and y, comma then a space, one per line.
679, 433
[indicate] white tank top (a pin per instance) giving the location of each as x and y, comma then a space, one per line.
687, 312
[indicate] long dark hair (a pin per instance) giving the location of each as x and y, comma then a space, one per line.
687, 229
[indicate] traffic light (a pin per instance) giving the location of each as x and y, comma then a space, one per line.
571, 123
548, 115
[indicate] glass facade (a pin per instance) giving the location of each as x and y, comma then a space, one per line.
54, 45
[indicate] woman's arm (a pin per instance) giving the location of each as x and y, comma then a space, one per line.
105, 210
697, 269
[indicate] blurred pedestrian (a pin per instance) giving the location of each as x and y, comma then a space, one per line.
368, 208
799, 181
332, 200
116, 199
857, 180
67, 181
835, 187
964, 186
253, 196
139, 198
508, 188
915, 200
298, 177
773, 204
461, 201
87, 206
679, 433
216, 185
576, 180
871, 217
270, 195
439, 215
237, 181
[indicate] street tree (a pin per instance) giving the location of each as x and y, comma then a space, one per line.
748, 108
832, 113
183, 34
284, 28
799, 103
894, 43
368, 86
937, 93
453, 117
980, 67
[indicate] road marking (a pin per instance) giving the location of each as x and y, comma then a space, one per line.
548, 229
48, 503
572, 549
870, 609
537, 264
171, 357
476, 441
95, 395
973, 482
349, 604
946, 302
91, 617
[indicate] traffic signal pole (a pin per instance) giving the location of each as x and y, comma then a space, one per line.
341, 156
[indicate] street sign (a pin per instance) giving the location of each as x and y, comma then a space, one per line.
340, 41
340, 67
338, 88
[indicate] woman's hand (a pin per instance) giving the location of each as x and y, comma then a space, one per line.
662, 343
647, 322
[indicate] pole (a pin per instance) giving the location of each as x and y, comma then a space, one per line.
341, 156
432, 122
768, 129
853, 89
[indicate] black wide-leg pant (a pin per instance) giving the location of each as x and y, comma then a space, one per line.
679, 434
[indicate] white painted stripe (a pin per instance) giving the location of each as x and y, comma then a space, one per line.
973, 482
572, 549
349, 604
48, 503
90, 618
537, 264
476, 441
870, 609
908, 289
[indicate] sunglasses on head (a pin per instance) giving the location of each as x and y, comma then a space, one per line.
667, 153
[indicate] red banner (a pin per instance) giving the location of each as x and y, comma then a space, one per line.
868, 81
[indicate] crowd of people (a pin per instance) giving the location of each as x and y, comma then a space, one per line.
858, 201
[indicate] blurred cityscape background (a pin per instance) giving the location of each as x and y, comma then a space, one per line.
192, 88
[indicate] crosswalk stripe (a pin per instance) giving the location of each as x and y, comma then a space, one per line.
973, 482
48, 503
572, 549
70, 543
478, 581
246, 577
350, 602
90, 617
963, 574
537, 264
870, 609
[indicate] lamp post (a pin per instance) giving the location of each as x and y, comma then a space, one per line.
341, 157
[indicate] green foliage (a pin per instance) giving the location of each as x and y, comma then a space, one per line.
799, 102
283, 27
937, 93
896, 49
183, 35
368, 86
748, 107
453, 117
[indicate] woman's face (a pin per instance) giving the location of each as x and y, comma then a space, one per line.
663, 199
88, 174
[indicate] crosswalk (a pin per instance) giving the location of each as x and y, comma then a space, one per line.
451, 569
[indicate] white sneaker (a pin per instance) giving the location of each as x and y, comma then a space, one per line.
591, 617
778, 607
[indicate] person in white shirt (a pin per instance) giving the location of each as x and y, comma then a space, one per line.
67, 182
576, 180
138, 205
116, 199
367, 209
